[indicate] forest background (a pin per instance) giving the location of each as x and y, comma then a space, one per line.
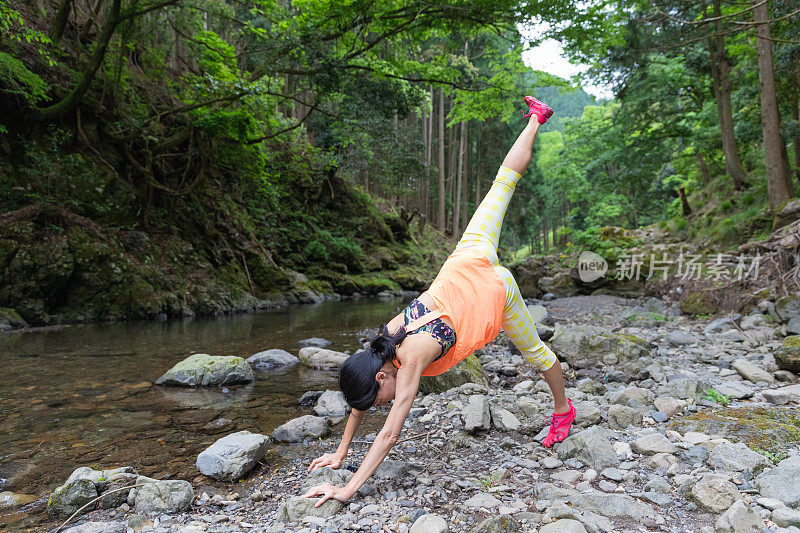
181, 157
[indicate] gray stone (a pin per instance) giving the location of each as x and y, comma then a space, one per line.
331, 403
787, 307
621, 416
592, 446
614, 474
781, 483
785, 517
787, 356
504, 420
609, 505
203, 370
302, 428
737, 457
739, 518
393, 470
468, 372
718, 325
319, 476
551, 463
160, 496
539, 314
680, 338
683, 388
321, 358
669, 406
751, 372
565, 525
97, 527
71, 496
483, 499
476, 414
315, 342
588, 346
793, 326
652, 444
753, 321
587, 414
296, 508
715, 494
429, 523
778, 396
738, 390
732, 335
271, 359
232, 456
498, 524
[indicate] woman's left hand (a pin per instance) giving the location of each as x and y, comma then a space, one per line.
328, 491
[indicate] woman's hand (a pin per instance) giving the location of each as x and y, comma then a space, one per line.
328, 492
333, 460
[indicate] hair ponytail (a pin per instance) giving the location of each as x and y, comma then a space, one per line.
357, 375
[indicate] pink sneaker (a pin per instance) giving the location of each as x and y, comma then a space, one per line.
559, 426
540, 109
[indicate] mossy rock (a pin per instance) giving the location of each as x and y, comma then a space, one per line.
788, 354
411, 279
7, 250
265, 275
698, 303
208, 371
11, 317
615, 234
469, 370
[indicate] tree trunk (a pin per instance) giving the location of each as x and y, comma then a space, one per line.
796, 117
686, 210
462, 141
60, 22
465, 211
720, 70
441, 161
545, 244
701, 162
770, 117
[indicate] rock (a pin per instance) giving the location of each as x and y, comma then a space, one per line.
320, 358
587, 414
787, 307
785, 517
589, 346
793, 326
97, 527
732, 335
296, 508
610, 505
551, 462
483, 499
751, 372
540, 315
302, 428
315, 342
476, 414
218, 425
391, 469
592, 446
652, 444
752, 321
715, 494
467, 371
683, 388
777, 396
71, 496
781, 483
638, 394
498, 524
787, 356
718, 326
9, 316
669, 406
429, 523
739, 518
680, 338
309, 398
161, 496
504, 420
621, 416
338, 476
331, 403
11, 499
203, 370
232, 456
736, 458
738, 390
272, 359
565, 525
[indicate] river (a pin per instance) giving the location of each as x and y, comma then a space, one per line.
82, 395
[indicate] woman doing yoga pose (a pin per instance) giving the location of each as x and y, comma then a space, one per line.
471, 298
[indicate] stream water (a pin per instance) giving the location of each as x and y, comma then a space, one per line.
83, 396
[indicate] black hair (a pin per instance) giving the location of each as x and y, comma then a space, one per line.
357, 375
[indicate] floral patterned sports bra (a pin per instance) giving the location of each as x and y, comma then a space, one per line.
440, 331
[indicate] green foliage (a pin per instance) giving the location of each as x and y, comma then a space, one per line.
717, 397
13, 28
17, 80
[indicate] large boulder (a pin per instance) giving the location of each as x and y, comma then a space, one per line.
781, 482
232, 456
787, 356
296, 508
85, 484
736, 458
715, 494
321, 358
786, 214
331, 403
606, 504
739, 518
592, 446
469, 370
498, 524
302, 428
589, 346
160, 496
751, 372
429, 523
652, 444
271, 359
203, 370
476, 414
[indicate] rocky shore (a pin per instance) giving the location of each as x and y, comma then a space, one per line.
683, 425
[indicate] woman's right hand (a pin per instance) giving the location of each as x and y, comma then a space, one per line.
332, 460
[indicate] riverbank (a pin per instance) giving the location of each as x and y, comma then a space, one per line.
684, 424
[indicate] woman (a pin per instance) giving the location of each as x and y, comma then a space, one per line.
464, 309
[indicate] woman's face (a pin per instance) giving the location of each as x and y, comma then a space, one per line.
386, 382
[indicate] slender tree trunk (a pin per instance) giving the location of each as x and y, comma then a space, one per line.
441, 162
720, 71
686, 210
462, 147
465, 211
701, 162
545, 244
796, 117
777, 179
60, 22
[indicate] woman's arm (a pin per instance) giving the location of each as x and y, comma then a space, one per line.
335, 459
406, 390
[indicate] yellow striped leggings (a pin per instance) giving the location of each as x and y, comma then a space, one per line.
483, 232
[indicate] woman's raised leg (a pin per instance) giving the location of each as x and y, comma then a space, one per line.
483, 229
